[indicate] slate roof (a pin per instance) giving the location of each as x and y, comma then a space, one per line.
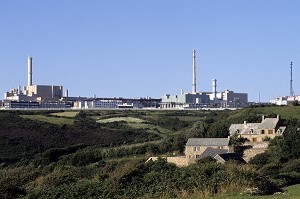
253, 128
232, 156
269, 123
211, 152
249, 128
207, 142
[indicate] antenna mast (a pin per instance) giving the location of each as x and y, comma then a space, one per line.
291, 81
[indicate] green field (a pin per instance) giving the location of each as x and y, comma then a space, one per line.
119, 119
286, 112
66, 114
291, 192
137, 123
52, 120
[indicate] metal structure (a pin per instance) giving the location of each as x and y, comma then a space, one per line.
291, 81
194, 90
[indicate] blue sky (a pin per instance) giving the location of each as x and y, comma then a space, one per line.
134, 48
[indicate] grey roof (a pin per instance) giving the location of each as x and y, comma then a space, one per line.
211, 152
232, 156
253, 128
269, 123
248, 128
207, 142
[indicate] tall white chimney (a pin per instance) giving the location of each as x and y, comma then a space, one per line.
214, 88
29, 71
194, 90
66, 93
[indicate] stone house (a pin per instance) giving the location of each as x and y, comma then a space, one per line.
259, 132
197, 146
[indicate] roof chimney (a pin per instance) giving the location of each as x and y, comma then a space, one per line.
262, 118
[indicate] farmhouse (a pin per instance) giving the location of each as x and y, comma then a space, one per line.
259, 132
199, 148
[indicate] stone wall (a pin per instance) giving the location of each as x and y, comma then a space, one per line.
250, 153
180, 161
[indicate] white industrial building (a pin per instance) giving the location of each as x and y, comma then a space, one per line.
284, 101
34, 96
194, 99
107, 103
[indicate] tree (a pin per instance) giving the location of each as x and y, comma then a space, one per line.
237, 142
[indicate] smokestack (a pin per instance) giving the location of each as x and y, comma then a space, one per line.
214, 88
66, 93
29, 71
194, 73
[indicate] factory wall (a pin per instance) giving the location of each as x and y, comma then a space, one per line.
230, 96
186, 98
198, 98
46, 92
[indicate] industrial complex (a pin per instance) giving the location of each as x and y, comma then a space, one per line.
197, 100
53, 97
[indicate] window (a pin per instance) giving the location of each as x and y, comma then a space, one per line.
251, 131
254, 139
262, 131
197, 148
270, 131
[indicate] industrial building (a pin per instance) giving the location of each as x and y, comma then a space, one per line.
105, 103
194, 99
284, 101
34, 96
51, 96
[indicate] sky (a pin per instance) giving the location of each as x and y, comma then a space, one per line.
133, 48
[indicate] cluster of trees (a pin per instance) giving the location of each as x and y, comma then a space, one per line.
281, 162
130, 179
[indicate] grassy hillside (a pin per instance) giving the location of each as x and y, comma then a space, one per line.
102, 154
286, 112
47, 119
30, 132
290, 192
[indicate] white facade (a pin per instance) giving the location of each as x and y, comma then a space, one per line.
284, 101
102, 104
279, 101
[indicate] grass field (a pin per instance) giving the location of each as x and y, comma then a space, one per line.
138, 123
52, 120
291, 192
284, 111
66, 114
119, 119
